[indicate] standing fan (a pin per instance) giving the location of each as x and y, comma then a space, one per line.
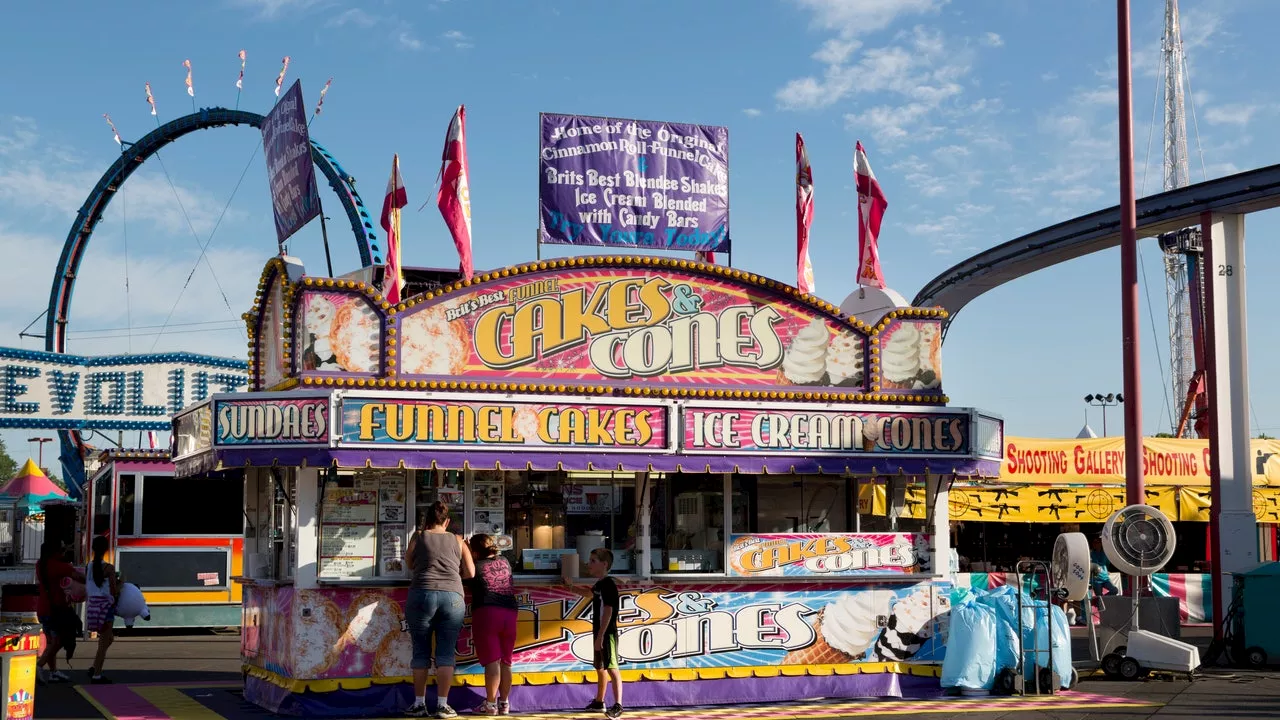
1139, 540
1070, 566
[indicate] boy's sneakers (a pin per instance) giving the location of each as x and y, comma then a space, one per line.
444, 711
614, 711
99, 679
417, 710
486, 708
59, 676
595, 706
504, 707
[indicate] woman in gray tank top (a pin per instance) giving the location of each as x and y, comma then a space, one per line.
440, 561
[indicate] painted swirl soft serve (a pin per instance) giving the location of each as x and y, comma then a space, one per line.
806, 360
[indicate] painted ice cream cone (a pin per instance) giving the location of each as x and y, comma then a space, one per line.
805, 361
819, 653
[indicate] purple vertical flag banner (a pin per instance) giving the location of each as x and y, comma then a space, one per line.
633, 183
290, 173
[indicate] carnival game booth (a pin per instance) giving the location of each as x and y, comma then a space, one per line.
180, 541
1048, 486
711, 426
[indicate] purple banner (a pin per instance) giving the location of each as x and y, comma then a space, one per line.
633, 183
292, 177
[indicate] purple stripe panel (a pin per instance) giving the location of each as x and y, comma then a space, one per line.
629, 462
123, 703
379, 700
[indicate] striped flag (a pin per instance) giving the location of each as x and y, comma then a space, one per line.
323, 91
871, 207
113, 129
454, 195
705, 256
240, 80
190, 89
284, 68
151, 100
393, 275
804, 216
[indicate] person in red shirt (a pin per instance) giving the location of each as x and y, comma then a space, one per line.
57, 618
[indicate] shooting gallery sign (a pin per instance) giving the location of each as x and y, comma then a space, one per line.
619, 322
1165, 461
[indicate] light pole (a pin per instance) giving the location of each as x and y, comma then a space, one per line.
1104, 402
40, 455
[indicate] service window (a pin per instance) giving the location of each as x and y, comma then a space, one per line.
687, 523
552, 514
793, 504
204, 505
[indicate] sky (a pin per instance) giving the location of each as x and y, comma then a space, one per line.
983, 120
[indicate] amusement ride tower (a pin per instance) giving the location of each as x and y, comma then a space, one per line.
1183, 249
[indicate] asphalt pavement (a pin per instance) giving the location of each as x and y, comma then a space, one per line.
204, 670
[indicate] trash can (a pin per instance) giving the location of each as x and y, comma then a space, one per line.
19, 648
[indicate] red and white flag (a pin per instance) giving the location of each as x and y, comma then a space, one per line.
280, 78
190, 89
804, 217
113, 129
240, 80
152, 440
706, 256
454, 195
323, 91
871, 207
393, 276
151, 100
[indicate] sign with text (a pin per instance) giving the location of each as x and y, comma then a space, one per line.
618, 324
828, 554
278, 421
633, 183
123, 392
290, 174
740, 430
1165, 461
504, 425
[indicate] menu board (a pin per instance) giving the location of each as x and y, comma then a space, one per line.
348, 534
488, 507
391, 500
391, 547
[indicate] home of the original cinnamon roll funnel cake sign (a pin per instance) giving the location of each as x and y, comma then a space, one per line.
646, 325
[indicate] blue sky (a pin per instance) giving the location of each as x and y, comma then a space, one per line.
983, 119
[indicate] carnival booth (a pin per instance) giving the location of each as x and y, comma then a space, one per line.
711, 426
181, 542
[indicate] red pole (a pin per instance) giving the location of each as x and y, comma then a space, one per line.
1129, 270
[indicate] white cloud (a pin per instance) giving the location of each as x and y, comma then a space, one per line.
851, 18
353, 16
992, 40
836, 51
1232, 114
272, 9
1049, 76
458, 39
408, 40
751, 112
17, 134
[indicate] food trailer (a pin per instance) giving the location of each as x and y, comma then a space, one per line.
180, 542
716, 429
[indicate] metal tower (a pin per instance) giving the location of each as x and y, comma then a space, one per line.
1182, 249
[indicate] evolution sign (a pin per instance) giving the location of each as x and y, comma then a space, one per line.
734, 430
122, 392
629, 324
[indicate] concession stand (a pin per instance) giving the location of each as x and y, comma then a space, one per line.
745, 450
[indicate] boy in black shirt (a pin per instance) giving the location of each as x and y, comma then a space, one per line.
604, 631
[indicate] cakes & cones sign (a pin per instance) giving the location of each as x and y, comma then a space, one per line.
620, 321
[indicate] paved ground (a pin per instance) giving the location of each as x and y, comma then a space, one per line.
198, 678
